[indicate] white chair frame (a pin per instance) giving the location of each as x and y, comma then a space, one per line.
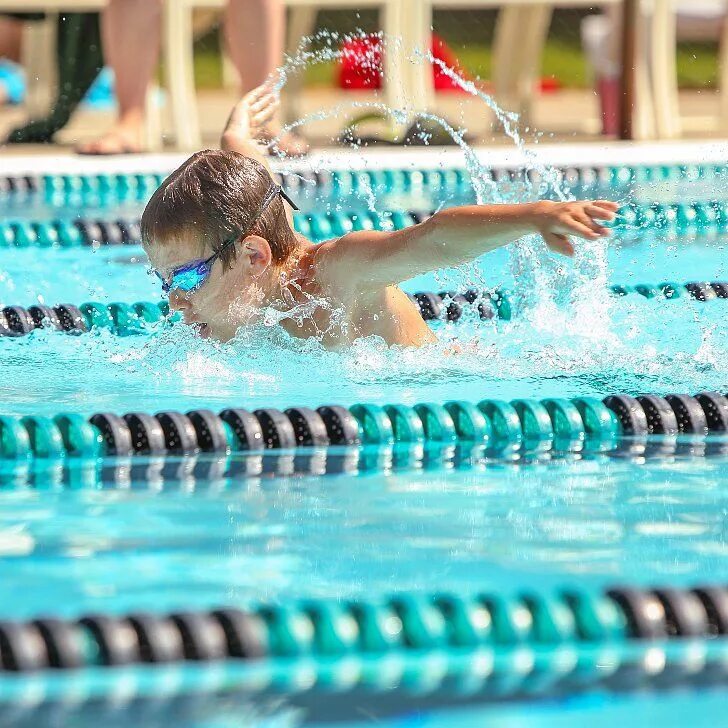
179, 59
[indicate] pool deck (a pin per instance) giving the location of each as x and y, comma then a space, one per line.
564, 117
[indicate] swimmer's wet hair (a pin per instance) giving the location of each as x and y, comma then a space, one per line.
213, 195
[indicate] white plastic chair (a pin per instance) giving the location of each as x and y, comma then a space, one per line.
39, 58
521, 31
663, 23
692, 20
179, 55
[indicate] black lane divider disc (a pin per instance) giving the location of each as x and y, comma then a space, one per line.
211, 436
700, 291
644, 612
661, 419
19, 320
277, 429
203, 637
41, 314
684, 612
111, 233
715, 601
62, 643
630, 414
688, 413
159, 638
242, 637
715, 406
22, 647
341, 426
308, 427
116, 637
147, 435
115, 432
454, 302
71, 317
90, 231
246, 428
429, 304
180, 437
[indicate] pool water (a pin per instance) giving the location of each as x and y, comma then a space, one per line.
169, 534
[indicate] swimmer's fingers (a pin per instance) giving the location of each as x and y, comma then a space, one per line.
264, 109
559, 243
606, 205
599, 211
592, 224
570, 225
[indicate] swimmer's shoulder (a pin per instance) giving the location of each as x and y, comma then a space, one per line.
341, 256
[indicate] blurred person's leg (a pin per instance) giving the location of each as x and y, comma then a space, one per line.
131, 38
11, 37
255, 30
600, 35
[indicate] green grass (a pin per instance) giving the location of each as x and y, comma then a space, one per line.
563, 59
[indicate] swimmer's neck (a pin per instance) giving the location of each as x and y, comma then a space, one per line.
280, 283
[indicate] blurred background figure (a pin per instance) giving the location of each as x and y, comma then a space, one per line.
697, 20
12, 82
131, 30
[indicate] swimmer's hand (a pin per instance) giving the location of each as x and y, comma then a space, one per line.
555, 221
250, 119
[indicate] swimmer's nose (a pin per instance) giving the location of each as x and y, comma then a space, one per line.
177, 301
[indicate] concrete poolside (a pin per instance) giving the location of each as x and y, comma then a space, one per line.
563, 116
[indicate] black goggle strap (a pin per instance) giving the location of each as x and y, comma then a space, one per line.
272, 192
283, 194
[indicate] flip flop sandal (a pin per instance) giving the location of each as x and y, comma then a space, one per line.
423, 131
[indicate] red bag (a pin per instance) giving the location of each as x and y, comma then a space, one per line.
361, 67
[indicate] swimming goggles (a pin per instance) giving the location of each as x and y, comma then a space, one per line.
191, 276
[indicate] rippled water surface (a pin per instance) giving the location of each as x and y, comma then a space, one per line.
168, 535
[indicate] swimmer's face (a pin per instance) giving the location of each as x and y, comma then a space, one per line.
230, 297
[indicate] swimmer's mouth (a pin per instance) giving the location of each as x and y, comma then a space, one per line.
201, 329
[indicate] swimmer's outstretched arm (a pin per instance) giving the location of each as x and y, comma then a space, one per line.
248, 123
457, 235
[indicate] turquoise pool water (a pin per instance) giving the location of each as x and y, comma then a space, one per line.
162, 535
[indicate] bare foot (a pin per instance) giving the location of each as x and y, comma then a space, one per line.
118, 140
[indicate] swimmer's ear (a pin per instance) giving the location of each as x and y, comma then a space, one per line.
256, 254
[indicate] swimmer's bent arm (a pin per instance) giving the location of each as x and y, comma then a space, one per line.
457, 235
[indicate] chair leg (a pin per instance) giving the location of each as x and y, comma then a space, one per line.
644, 118
396, 81
38, 60
152, 120
663, 39
521, 33
180, 74
723, 61
416, 30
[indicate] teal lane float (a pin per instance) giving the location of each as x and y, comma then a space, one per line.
546, 424
618, 176
126, 319
698, 217
396, 625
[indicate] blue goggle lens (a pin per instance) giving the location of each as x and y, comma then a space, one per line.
186, 279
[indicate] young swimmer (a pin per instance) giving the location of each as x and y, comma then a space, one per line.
219, 236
